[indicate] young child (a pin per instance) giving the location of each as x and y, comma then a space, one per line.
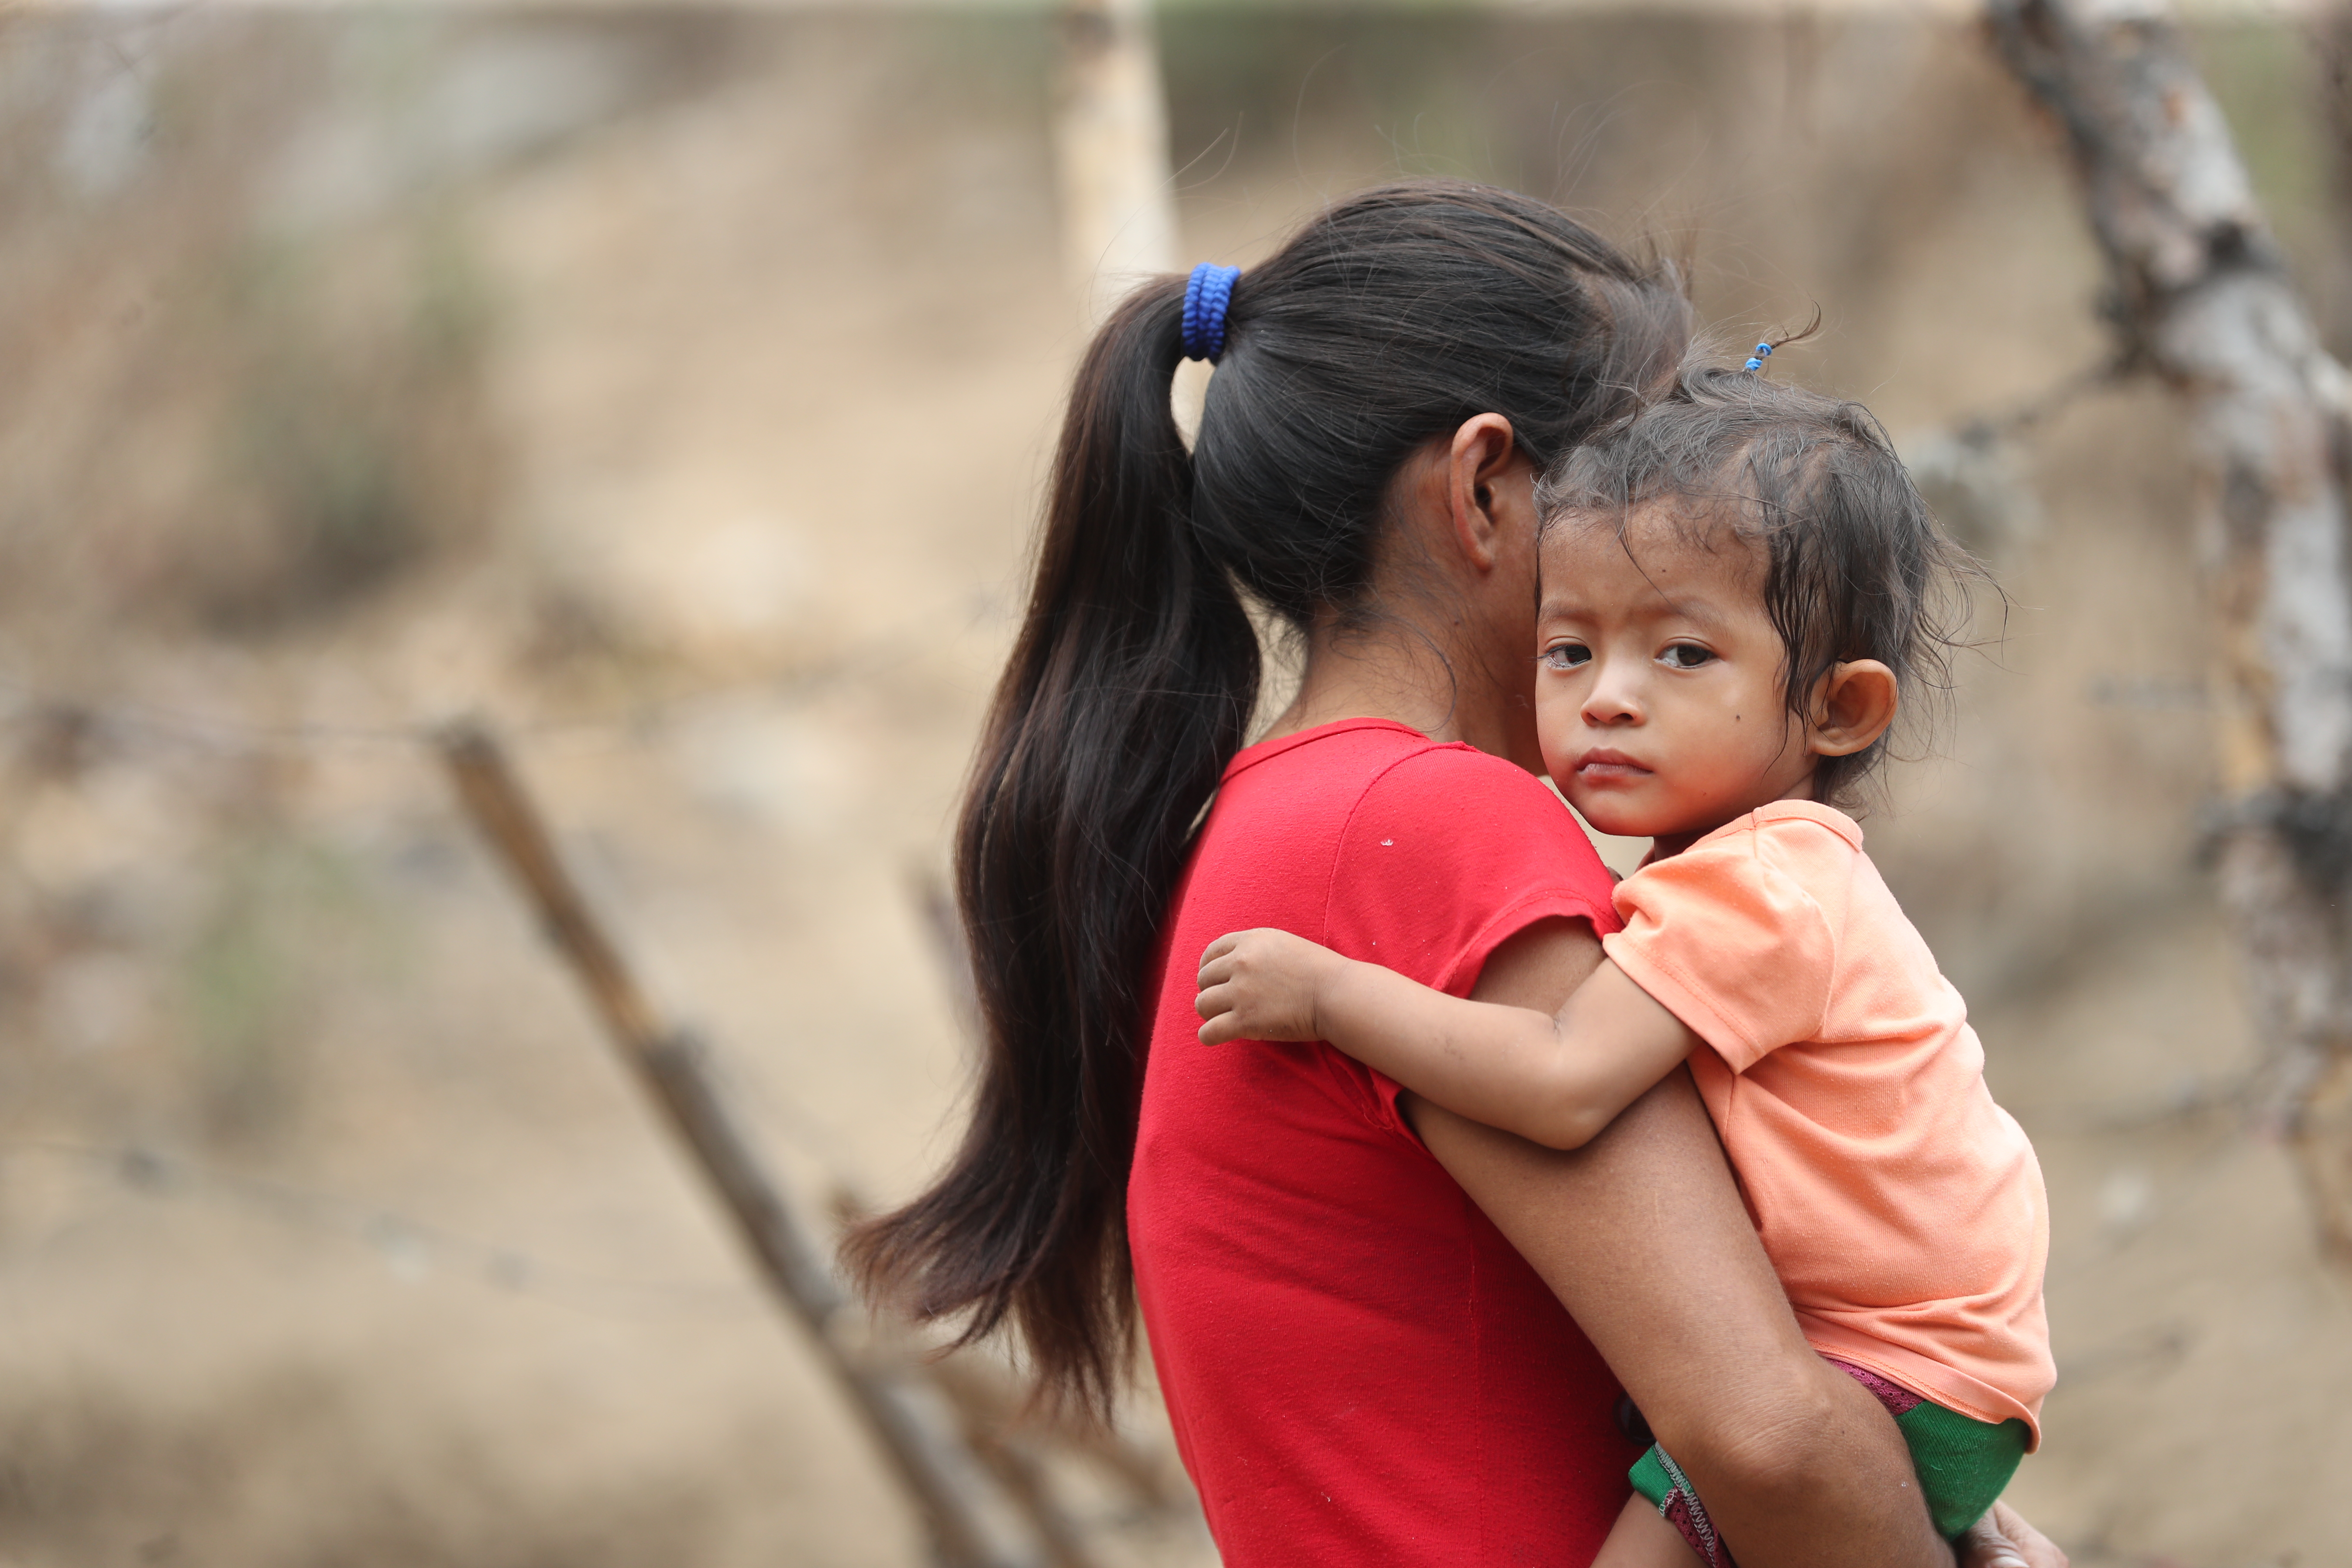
1738, 583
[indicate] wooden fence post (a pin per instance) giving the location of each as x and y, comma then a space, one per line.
2202, 298
1110, 135
912, 1423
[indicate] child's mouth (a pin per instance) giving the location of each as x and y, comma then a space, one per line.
1602, 767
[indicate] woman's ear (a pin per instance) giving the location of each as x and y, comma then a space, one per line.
1488, 483
1854, 708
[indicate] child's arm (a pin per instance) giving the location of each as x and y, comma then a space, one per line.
1557, 1081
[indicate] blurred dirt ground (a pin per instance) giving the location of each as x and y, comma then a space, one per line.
674, 388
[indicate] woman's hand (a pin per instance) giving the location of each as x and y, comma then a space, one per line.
1262, 985
2002, 1539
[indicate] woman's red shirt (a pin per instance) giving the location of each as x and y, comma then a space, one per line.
1359, 1368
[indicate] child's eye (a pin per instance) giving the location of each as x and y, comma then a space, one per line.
1568, 656
1686, 656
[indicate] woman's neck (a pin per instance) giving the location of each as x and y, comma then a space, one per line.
1401, 672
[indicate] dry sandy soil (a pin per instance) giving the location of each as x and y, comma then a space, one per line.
328, 1232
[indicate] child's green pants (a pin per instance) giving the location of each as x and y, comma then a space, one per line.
1963, 1465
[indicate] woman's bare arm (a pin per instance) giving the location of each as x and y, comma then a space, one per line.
1643, 1237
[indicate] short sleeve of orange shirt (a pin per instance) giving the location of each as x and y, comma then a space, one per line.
1901, 1208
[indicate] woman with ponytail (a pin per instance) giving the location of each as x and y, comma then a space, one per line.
1386, 1336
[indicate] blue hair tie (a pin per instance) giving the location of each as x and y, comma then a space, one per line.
1756, 360
1210, 291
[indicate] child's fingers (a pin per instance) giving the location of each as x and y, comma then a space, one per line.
1227, 955
1222, 946
1236, 947
1213, 1000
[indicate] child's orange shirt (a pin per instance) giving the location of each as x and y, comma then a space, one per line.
1903, 1209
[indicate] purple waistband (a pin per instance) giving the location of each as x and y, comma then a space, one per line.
1894, 1395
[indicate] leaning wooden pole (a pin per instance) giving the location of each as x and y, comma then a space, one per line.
917, 1435
2202, 298
1111, 143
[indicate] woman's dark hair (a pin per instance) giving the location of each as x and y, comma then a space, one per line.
1855, 566
1389, 320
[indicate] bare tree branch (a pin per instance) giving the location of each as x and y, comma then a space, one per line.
2200, 295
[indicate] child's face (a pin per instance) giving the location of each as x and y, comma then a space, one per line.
1658, 679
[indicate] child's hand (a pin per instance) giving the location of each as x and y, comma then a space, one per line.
1261, 986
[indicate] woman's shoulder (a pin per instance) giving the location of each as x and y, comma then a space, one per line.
1395, 772
1420, 855
1346, 749
1457, 836
1452, 776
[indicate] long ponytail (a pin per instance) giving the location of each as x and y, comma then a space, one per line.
1131, 686
1387, 320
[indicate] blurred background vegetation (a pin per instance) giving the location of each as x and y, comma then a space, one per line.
674, 386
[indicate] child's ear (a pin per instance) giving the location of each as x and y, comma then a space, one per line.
1855, 705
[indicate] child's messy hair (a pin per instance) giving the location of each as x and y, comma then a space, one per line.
1856, 566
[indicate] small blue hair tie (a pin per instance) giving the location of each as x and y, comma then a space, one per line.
1756, 360
1210, 291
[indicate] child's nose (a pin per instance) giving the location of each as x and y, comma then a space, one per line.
1612, 702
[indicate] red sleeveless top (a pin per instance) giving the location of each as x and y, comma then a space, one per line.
1358, 1367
